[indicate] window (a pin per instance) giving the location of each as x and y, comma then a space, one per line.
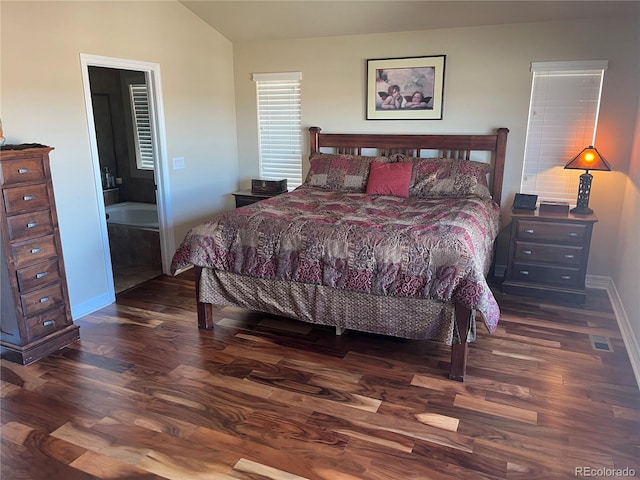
142, 126
563, 117
279, 126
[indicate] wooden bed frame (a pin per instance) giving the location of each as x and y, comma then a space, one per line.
450, 146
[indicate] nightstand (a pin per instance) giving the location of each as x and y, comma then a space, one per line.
247, 197
548, 255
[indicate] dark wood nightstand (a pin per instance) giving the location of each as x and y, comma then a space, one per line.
548, 255
247, 197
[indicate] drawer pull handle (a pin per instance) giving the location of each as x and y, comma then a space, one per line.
26, 198
23, 170
524, 272
529, 230
44, 299
566, 277
42, 274
32, 224
527, 252
568, 255
573, 234
36, 250
48, 323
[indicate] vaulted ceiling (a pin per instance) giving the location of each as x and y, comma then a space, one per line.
242, 20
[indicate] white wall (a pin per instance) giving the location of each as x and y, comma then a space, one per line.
487, 85
42, 101
626, 273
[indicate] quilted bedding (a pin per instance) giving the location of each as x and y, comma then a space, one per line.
437, 248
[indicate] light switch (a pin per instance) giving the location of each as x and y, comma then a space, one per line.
178, 163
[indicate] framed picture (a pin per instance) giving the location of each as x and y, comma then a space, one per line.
405, 88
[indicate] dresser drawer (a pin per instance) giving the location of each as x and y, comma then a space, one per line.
574, 233
548, 275
22, 171
40, 300
25, 199
46, 323
37, 276
33, 251
546, 253
29, 225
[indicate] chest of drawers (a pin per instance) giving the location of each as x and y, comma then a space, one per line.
548, 255
36, 318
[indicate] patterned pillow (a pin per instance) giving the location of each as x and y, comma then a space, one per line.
447, 177
340, 172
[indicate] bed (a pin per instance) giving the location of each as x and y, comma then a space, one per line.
389, 234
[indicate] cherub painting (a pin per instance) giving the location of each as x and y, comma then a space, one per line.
405, 88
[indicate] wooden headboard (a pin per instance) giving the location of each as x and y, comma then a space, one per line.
449, 146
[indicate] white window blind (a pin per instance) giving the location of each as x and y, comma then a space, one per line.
142, 126
279, 126
563, 117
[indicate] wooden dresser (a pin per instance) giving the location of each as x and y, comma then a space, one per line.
548, 255
36, 318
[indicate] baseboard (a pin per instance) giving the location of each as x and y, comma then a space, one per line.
101, 301
93, 305
631, 343
182, 270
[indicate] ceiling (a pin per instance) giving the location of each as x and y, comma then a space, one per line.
245, 20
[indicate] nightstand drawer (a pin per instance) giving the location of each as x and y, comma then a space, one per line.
545, 253
247, 197
244, 200
548, 275
551, 231
25, 199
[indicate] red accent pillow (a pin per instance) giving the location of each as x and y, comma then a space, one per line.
389, 179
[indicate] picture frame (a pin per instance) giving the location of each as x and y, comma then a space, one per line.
408, 88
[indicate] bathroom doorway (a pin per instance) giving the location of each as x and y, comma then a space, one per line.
127, 163
127, 142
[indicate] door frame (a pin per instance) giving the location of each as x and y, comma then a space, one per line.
161, 169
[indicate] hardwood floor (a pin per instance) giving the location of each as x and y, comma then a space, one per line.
146, 395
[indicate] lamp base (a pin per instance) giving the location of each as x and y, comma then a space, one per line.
581, 210
582, 205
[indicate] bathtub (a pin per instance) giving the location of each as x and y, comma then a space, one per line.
133, 214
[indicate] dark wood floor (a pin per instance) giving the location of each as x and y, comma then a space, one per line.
145, 395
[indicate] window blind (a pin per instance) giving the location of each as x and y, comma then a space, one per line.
142, 126
279, 126
563, 118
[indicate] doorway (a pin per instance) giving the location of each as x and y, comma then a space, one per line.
127, 144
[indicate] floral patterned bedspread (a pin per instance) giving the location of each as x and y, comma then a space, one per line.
405, 247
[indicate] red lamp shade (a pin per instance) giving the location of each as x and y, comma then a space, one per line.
588, 159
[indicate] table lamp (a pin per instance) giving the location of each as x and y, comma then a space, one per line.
588, 159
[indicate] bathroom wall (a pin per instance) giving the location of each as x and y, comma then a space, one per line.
114, 133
